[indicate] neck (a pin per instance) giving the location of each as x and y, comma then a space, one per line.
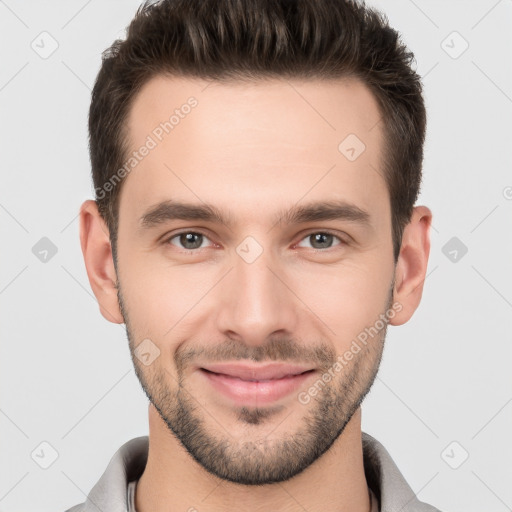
173, 480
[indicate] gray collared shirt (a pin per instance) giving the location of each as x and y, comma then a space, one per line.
112, 491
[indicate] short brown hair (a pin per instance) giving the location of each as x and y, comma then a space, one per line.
255, 39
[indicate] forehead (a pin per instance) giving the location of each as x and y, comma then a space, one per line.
207, 140
272, 107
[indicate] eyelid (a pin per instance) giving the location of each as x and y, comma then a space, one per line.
168, 238
325, 232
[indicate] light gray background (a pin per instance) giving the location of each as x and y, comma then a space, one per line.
66, 375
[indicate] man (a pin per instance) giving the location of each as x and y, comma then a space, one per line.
256, 166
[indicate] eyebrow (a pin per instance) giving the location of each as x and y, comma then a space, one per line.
318, 211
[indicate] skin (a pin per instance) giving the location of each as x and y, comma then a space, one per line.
254, 150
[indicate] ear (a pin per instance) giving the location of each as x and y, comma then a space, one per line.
412, 263
97, 251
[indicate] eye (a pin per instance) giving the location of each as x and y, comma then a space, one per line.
189, 240
322, 239
193, 240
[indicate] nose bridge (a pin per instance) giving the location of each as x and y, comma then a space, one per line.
256, 301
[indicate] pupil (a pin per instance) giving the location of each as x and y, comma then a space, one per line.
320, 236
188, 237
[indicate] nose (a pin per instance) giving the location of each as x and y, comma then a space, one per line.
256, 301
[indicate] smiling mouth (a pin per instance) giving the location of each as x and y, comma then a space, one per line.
256, 387
249, 371
257, 380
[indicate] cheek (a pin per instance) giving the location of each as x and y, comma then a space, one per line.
155, 297
341, 298
346, 299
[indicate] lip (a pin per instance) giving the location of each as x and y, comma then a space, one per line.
257, 372
256, 385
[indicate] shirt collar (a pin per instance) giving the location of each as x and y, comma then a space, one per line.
382, 474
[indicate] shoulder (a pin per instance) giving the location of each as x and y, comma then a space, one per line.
110, 491
387, 482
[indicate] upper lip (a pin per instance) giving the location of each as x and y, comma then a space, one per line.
259, 372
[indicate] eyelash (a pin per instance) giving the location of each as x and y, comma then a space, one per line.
167, 240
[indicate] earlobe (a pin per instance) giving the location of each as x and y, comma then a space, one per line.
412, 264
97, 252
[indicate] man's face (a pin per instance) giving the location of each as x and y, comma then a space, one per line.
252, 290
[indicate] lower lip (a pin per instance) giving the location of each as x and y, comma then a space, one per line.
244, 392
